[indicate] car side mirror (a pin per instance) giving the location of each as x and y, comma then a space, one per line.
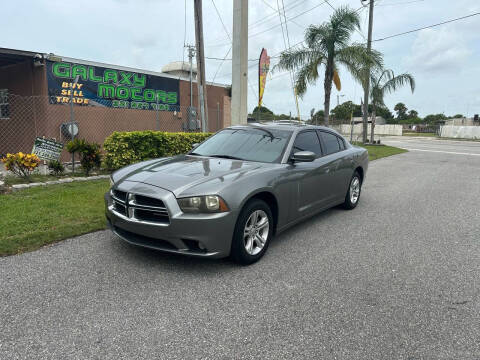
195, 145
303, 156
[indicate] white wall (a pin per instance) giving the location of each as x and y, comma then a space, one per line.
389, 129
460, 132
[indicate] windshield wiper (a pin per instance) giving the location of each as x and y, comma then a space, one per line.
226, 157
194, 153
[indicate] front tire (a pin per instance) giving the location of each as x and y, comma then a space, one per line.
353, 194
253, 232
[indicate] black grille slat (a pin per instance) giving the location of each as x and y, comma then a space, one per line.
145, 240
120, 208
120, 195
148, 201
151, 216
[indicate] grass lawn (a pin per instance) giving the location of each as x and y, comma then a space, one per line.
379, 151
42, 215
407, 133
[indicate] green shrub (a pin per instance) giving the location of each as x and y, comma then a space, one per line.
90, 155
125, 148
56, 167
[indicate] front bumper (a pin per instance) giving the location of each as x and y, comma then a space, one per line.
204, 235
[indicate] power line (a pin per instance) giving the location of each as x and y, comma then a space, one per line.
428, 27
400, 3
265, 19
221, 20
289, 19
276, 11
275, 26
222, 59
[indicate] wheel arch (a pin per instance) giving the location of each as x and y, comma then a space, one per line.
270, 199
360, 171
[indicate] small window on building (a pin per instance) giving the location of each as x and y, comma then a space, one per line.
4, 106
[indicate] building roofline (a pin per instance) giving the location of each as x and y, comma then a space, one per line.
52, 56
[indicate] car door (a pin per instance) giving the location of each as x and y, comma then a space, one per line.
339, 163
311, 177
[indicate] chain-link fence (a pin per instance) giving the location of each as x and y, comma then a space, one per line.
23, 118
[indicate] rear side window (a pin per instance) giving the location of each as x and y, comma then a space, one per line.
307, 141
331, 143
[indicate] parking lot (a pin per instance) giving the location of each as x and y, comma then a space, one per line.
396, 278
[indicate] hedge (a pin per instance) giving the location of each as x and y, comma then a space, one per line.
125, 148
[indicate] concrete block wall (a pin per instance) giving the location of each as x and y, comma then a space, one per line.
460, 132
389, 129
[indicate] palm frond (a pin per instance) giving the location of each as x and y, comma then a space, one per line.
293, 59
399, 81
308, 74
343, 23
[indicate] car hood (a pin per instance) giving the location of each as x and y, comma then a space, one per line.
181, 173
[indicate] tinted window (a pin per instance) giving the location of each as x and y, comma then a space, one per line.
247, 144
331, 143
307, 141
341, 143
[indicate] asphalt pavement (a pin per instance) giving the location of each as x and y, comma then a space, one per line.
396, 278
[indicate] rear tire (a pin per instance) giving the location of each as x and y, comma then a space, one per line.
253, 231
354, 190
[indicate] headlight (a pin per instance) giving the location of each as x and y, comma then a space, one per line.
203, 204
111, 181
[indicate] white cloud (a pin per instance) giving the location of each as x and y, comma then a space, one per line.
436, 50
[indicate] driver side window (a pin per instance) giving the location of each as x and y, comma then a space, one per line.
307, 141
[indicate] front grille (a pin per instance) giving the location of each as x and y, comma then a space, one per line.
144, 240
148, 201
152, 216
139, 207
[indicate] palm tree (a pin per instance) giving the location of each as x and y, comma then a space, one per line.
329, 44
385, 82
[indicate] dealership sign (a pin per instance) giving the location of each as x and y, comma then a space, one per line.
99, 86
47, 149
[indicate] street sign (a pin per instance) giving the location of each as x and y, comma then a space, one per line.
47, 149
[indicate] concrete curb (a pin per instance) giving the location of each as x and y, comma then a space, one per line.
18, 187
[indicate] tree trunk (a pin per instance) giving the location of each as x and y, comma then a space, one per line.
374, 118
327, 86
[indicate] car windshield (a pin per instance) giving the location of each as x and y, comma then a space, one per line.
252, 144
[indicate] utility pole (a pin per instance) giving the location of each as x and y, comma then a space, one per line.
191, 117
191, 53
367, 80
202, 86
239, 62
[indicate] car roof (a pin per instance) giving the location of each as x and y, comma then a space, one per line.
288, 125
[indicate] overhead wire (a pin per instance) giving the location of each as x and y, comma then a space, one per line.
427, 27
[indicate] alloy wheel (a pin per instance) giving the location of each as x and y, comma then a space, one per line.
255, 233
354, 190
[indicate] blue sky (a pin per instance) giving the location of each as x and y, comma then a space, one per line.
148, 34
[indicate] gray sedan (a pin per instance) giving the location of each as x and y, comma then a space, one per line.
232, 193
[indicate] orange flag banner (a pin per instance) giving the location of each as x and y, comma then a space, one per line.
263, 67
